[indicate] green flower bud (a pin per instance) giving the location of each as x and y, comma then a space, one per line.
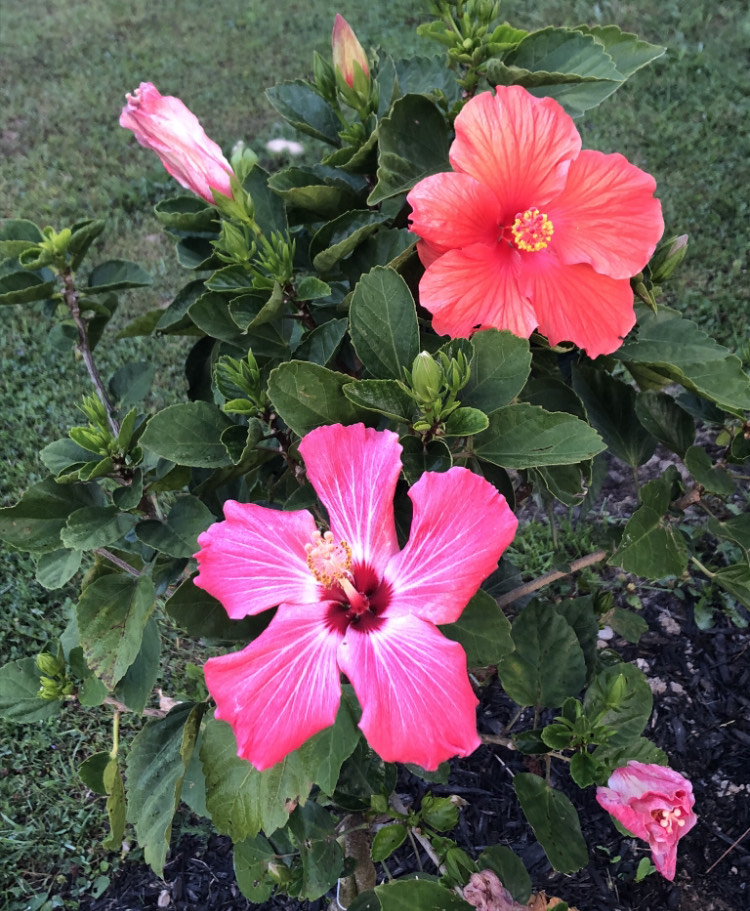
50, 665
426, 378
669, 254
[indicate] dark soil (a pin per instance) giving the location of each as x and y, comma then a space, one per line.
701, 719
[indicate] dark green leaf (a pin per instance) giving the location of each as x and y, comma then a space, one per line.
499, 370
416, 895
54, 569
465, 422
189, 434
177, 536
482, 630
188, 214
664, 419
203, 617
340, 237
650, 546
96, 526
735, 580
712, 478
554, 821
509, 869
387, 840
323, 342
416, 457
92, 770
298, 103
17, 235
115, 791
132, 383
620, 698
322, 857
252, 858
23, 287
308, 396
140, 678
628, 51
117, 275
19, 684
387, 397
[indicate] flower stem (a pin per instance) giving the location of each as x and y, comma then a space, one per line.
530, 587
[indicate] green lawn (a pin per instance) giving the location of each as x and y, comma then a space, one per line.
66, 68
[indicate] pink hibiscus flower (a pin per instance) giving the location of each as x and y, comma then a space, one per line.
528, 231
165, 125
655, 804
349, 601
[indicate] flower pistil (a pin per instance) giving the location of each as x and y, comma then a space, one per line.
532, 230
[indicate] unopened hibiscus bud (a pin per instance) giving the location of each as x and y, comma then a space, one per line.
349, 59
655, 804
50, 665
163, 123
486, 893
667, 258
426, 378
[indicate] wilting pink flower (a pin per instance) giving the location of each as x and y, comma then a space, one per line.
528, 231
486, 893
655, 804
347, 51
164, 124
350, 601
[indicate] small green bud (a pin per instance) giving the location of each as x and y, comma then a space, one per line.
50, 665
49, 689
426, 377
668, 256
279, 872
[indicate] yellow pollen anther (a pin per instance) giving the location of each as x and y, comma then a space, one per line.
532, 230
668, 818
327, 560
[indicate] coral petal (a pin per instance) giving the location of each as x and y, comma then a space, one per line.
461, 527
354, 471
256, 559
283, 688
518, 145
417, 703
607, 215
476, 288
577, 304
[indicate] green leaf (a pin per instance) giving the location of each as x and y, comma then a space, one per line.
54, 569
117, 275
322, 857
23, 287
189, 434
60, 456
383, 321
308, 396
714, 479
620, 698
340, 237
736, 528
439, 813
583, 769
415, 895
650, 546
499, 370
112, 613
628, 51
325, 196
19, 684
91, 771
548, 664
132, 383
96, 526
270, 214
252, 858
323, 342
203, 617
610, 405
187, 214
140, 678
626, 624
664, 419
580, 614
482, 630
735, 580
387, 397
311, 288
416, 457
298, 103
116, 812
525, 436
248, 311
554, 821
509, 869
156, 767
324, 754
387, 840
17, 235
465, 422
35, 522
240, 799
413, 143
682, 352
175, 319
177, 536
609, 757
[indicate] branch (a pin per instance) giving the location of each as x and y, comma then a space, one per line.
547, 578
103, 552
70, 295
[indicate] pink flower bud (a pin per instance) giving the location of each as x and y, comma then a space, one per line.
486, 893
655, 804
347, 51
164, 124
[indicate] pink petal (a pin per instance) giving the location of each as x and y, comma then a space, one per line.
454, 210
613, 803
283, 688
460, 528
417, 703
664, 856
636, 779
256, 559
607, 215
477, 288
576, 304
354, 471
518, 145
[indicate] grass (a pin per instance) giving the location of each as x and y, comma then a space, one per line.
67, 66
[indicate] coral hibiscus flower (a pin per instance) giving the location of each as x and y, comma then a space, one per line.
655, 803
528, 231
351, 601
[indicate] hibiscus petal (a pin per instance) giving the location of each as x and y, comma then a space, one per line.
460, 528
607, 215
577, 304
283, 688
256, 559
417, 703
636, 779
476, 288
518, 145
613, 803
454, 210
354, 471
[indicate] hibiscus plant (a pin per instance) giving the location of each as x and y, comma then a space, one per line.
449, 321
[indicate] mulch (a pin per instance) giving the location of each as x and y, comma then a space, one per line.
701, 718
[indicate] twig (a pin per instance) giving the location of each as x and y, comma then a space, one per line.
506, 742
541, 581
103, 552
730, 848
689, 498
70, 295
429, 850
121, 707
